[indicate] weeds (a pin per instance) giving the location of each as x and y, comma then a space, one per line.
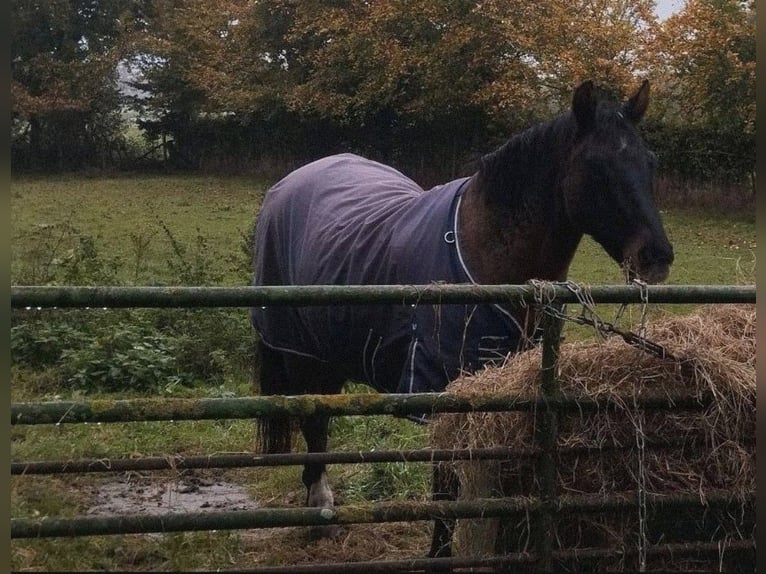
381, 480
191, 266
126, 350
61, 254
140, 242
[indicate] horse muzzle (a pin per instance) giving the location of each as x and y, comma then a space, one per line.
648, 261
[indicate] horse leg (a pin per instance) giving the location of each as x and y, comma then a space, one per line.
318, 491
310, 376
446, 486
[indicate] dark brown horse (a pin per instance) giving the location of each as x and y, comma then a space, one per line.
346, 220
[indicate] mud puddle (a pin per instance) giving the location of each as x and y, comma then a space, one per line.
131, 495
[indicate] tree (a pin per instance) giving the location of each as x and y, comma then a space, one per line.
464, 64
705, 61
390, 72
376, 76
64, 95
564, 42
211, 82
708, 62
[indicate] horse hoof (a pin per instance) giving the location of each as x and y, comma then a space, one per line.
331, 532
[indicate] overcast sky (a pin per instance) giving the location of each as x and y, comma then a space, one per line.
666, 7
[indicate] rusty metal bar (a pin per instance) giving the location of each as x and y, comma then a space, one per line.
302, 295
164, 409
352, 514
669, 550
487, 564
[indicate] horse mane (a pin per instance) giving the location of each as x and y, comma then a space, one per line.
521, 174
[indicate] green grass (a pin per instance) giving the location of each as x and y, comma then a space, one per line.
157, 229
130, 217
126, 213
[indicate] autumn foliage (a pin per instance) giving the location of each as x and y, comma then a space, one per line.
418, 82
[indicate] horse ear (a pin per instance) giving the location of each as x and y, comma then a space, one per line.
584, 105
636, 106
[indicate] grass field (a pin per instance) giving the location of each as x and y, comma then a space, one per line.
128, 217
133, 220
194, 229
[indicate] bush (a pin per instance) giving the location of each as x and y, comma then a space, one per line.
140, 350
134, 350
210, 343
39, 343
695, 153
125, 358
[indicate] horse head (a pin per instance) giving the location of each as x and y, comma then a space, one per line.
608, 189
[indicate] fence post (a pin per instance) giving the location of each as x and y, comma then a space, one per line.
546, 424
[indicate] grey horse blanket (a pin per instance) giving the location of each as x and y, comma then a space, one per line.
346, 220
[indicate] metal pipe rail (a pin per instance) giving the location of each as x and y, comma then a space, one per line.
546, 506
132, 410
493, 563
249, 459
305, 295
519, 506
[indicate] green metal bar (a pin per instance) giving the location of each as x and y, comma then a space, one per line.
303, 295
501, 563
547, 433
164, 409
266, 518
246, 460
249, 459
353, 514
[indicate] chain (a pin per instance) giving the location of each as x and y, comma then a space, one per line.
643, 542
644, 292
590, 317
544, 294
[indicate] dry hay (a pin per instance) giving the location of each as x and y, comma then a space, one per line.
717, 346
291, 547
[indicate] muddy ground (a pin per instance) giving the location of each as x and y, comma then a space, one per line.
131, 494
200, 491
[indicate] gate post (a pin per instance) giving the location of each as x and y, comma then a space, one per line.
546, 423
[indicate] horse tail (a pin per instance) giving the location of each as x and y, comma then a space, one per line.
275, 433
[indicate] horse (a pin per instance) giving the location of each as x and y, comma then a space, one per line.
347, 220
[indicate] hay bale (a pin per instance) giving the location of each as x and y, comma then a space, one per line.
717, 344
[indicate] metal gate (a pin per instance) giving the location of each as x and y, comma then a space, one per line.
545, 506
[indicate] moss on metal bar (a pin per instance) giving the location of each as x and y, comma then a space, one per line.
164, 409
303, 295
352, 514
